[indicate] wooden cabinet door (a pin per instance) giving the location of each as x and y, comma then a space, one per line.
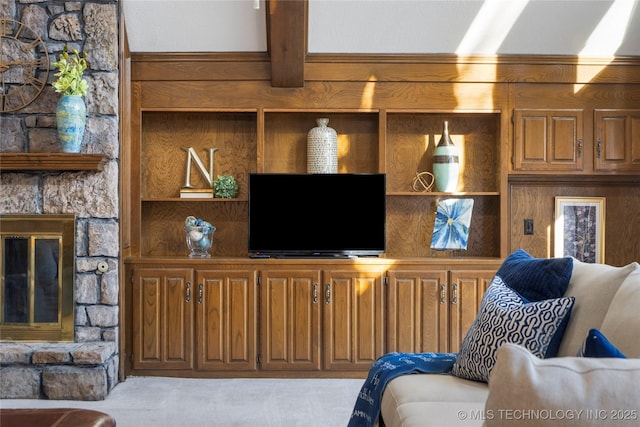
353, 319
466, 291
617, 146
162, 318
226, 320
290, 320
417, 311
548, 140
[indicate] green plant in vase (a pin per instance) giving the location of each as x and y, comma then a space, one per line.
71, 68
225, 186
71, 112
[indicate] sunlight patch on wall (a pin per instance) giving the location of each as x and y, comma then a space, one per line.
491, 26
605, 40
485, 35
368, 92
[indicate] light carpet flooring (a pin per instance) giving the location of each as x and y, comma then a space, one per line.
175, 402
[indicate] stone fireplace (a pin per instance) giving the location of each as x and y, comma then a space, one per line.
76, 360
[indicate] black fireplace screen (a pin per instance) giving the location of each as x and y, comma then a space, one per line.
36, 295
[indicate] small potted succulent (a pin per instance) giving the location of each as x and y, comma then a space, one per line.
225, 186
71, 112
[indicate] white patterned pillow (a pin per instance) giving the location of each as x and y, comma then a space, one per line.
504, 316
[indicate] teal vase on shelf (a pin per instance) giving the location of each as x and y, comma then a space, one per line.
71, 118
446, 164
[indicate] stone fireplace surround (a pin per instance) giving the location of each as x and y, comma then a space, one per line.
87, 368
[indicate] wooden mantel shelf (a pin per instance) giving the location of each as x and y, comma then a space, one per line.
11, 162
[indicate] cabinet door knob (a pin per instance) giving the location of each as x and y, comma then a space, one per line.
599, 147
315, 293
200, 293
443, 293
187, 293
327, 294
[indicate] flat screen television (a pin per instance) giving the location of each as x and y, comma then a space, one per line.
317, 215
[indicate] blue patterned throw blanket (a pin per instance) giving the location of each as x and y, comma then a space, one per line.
386, 368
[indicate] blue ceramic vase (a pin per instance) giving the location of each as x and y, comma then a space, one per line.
71, 117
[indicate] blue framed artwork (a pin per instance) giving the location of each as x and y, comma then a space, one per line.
451, 228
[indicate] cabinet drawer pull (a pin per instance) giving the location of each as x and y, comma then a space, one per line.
315, 293
454, 300
443, 293
187, 293
200, 293
327, 295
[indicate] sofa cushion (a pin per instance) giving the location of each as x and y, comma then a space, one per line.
427, 399
621, 324
536, 279
597, 345
593, 286
563, 391
504, 316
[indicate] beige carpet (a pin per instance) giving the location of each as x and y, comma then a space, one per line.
175, 402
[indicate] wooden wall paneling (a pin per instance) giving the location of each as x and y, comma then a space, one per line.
410, 221
448, 68
286, 140
389, 67
164, 222
201, 66
135, 174
165, 133
260, 162
382, 142
412, 137
366, 96
535, 200
506, 132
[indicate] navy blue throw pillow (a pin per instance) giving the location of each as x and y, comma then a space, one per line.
597, 345
536, 279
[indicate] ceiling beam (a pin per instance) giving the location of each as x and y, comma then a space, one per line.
287, 41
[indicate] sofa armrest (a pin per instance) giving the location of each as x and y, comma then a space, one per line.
563, 391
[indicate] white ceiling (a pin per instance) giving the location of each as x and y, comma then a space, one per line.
602, 28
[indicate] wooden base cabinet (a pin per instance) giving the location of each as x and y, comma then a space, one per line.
321, 319
290, 320
286, 318
353, 319
226, 320
431, 310
466, 292
173, 314
162, 318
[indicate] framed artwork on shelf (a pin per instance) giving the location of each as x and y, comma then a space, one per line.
451, 228
579, 228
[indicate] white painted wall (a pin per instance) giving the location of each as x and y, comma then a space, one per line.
602, 28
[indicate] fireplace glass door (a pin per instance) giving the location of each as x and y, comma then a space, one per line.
37, 264
32, 280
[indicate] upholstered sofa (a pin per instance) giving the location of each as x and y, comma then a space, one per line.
525, 389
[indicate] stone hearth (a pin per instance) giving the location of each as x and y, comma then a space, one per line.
60, 371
